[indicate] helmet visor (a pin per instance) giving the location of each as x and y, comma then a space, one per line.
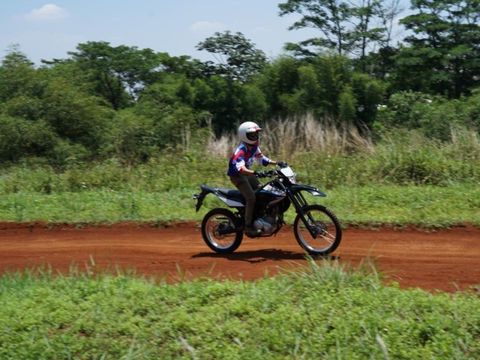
252, 136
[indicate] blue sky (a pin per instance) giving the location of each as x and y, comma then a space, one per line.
47, 29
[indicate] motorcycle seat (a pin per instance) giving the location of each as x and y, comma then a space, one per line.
231, 194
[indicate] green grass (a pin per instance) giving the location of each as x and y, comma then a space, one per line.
327, 312
408, 159
385, 204
402, 179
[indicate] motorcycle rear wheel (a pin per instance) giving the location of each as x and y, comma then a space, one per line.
219, 231
327, 226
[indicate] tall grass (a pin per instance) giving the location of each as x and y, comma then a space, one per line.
288, 137
320, 153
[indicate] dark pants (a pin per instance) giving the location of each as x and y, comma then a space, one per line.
247, 184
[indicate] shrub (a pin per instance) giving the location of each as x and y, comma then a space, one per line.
347, 105
20, 138
435, 117
26, 107
76, 116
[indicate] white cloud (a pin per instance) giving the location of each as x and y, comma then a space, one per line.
207, 27
46, 13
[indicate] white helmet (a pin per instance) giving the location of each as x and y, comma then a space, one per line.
248, 132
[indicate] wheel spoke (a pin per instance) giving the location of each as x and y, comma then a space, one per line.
329, 237
325, 227
219, 231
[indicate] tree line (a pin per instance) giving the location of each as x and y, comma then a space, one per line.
103, 100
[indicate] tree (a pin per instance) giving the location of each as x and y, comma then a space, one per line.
369, 93
278, 80
17, 75
237, 58
333, 74
75, 116
20, 138
346, 27
389, 12
364, 34
444, 52
119, 73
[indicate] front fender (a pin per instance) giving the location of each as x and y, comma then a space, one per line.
308, 188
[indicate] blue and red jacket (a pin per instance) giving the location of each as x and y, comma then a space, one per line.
243, 156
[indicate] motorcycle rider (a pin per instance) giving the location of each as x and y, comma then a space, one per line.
240, 173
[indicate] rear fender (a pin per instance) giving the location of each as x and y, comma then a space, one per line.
200, 197
209, 190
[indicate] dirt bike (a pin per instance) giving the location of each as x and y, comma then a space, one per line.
316, 228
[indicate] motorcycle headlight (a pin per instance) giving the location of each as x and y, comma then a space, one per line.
288, 172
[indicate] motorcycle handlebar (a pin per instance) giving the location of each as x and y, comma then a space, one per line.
263, 174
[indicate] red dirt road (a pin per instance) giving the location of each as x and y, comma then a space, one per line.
447, 260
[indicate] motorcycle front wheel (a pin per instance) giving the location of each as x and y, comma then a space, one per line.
326, 228
219, 231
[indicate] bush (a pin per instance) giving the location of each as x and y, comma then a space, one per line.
20, 138
435, 117
76, 116
409, 157
369, 94
26, 107
347, 105
67, 154
133, 137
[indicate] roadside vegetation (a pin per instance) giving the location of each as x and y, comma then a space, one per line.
326, 312
117, 133
406, 178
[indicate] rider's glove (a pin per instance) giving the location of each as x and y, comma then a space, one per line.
282, 164
259, 174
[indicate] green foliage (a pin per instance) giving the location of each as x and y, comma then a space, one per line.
254, 105
278, 80
233, 103
133, 137
20, 138
369, 93
67, 153
17, 76
347, 105
308, 89
75, 116
23, 106
445, 38
133, 104
334, 21
370, 205
117, 72
406, 179
323, 311
242, 59
333, 74
434, 116
325, 87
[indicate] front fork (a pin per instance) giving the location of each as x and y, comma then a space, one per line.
300, 203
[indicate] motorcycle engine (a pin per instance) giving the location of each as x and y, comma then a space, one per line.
266, 225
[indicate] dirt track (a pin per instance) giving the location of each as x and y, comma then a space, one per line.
446, 260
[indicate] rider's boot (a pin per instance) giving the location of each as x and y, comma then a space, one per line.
250, 231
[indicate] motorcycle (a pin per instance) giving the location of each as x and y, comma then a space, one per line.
316, 228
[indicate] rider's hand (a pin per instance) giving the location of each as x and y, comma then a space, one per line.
282, 164
259, 174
